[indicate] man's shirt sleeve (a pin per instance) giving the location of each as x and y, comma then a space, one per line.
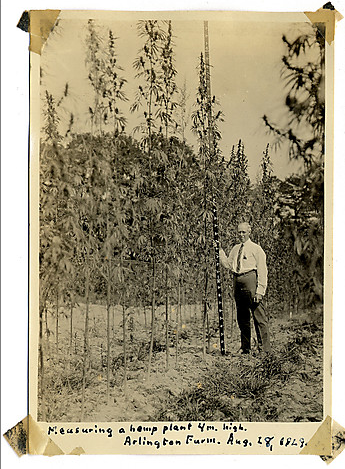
261, 271
224, 259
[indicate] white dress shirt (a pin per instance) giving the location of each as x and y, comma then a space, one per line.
252, 258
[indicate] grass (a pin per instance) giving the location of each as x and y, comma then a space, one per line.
242, 389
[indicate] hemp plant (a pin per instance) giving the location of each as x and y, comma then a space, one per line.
104, 74
148, 68
56, 221
205, 127
148, 96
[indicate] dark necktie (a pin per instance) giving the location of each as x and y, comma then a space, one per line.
238, 266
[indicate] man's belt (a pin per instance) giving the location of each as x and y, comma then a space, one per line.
243, 273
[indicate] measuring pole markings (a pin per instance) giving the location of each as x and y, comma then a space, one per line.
215, 218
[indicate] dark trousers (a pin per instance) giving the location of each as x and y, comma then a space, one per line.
245, 288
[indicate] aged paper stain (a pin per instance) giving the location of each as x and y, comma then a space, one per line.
338, 442
17, 437
327, 16
77, 451
39, 23
320, 442
27, 438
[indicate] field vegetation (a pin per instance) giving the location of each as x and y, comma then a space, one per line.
129, 227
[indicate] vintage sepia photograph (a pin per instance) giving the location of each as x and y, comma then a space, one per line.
181, 219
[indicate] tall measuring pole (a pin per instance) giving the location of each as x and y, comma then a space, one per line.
215, 218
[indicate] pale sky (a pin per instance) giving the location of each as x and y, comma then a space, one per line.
245, 77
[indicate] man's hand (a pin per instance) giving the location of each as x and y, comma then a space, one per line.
257, 298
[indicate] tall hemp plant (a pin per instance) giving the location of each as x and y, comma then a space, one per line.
94, 59
264, 220
112, 92
166, 115
56, 225
240, 184
113, 84
88, 211
209, 170
148, 97
88, 202
148, 68
108, 85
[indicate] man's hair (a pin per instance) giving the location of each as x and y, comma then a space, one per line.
245, 223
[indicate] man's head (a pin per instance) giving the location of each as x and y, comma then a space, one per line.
243, 231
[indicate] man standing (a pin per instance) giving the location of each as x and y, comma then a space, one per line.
247, 262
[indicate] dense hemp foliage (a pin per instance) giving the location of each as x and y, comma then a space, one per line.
302, 196
126, 221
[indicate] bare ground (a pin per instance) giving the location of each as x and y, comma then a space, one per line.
285, 386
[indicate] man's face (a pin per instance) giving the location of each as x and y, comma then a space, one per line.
243, 231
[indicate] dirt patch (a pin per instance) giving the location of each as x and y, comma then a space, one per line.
284, 386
